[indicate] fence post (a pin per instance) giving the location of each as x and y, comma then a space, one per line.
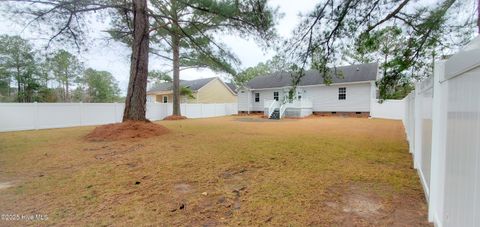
81, 113
417, 150
115, 112
186, 111
437, 173
35, 116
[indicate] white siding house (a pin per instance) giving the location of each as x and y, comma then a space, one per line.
351, 92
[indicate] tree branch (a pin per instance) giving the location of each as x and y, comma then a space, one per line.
389, 16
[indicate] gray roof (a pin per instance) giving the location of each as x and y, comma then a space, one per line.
352, 73
232, 87
194, 85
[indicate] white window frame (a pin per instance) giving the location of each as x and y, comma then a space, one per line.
255, 98
342, 92
165, 100
277, 96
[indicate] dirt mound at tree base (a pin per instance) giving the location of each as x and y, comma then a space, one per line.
126, 130
174, 118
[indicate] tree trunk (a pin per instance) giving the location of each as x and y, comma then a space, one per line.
67, 97
135, 102
384, 65
176, 75
19, 86
9, 84
19, 90
478, 16
63, 92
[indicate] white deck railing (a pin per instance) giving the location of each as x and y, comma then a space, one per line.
283, 107
302, 103
271, 105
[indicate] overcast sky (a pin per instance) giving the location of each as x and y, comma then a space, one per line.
114, 57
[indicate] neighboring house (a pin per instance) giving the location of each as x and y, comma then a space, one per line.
232, 87
351, 93
209, 90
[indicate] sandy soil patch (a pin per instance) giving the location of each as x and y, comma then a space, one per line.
4, 185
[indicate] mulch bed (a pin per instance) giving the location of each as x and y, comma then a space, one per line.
126, 130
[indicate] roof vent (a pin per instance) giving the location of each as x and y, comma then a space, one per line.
358, 69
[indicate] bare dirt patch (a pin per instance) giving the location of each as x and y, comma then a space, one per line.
174, 118
4, 185
183, 188
126, 130
359, 205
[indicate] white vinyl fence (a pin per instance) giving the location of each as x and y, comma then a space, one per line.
442, 122
26, 116
388, 109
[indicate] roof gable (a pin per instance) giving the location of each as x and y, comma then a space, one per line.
232, 87
194, 85
352, 73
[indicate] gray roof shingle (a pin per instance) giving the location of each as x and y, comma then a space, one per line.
194, 85
232, 87
352, 73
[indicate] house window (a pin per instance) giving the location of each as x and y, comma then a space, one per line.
257, 97
165, 99
275, 95
299, 95
342, 93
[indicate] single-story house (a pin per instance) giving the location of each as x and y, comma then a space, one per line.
350, 93
208, 90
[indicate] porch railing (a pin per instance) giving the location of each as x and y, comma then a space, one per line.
283, 107
271, 104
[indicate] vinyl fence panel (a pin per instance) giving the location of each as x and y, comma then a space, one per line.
27, 116
462, 179
425, 97
388, 109
157, 111
100, 113
57, 116
194, 110
442, 122
17, 116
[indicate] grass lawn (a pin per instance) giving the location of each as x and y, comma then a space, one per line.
216, 172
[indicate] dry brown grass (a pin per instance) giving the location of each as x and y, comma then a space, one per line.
174, 118
218, 171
